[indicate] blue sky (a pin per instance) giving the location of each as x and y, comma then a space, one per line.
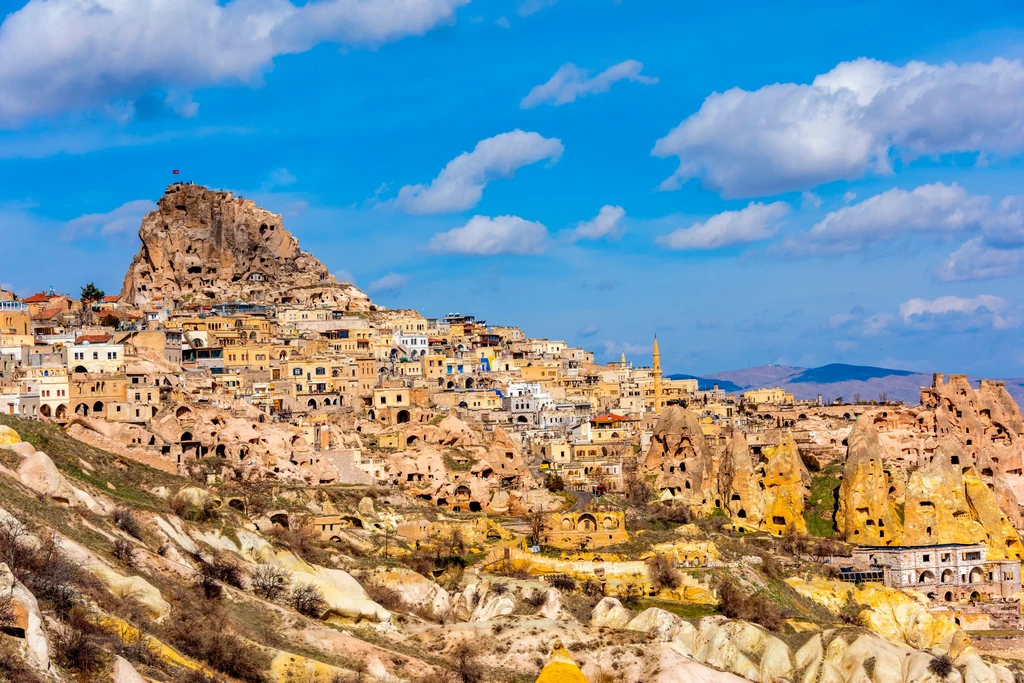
754, 182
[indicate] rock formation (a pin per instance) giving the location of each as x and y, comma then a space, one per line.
682, 459
948, 503
785, 481
867, 515
740, 489
205, 246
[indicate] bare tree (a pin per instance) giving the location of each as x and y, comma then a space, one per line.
268, 581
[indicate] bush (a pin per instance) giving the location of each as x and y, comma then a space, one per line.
302, 539
6, 612
465, 665
759, 608
124, 552
129, 523
385, 596
309, 600
554, 483
13, 667
772, 568
201, 630
941, 666
663, 574
75, 645
564, 583
268, 581
53, 575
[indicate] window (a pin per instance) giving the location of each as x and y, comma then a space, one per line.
926, 558
298, 387
321, 371
95, 355
297, 372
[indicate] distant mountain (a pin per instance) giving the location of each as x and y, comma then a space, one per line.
850, 382
703, 383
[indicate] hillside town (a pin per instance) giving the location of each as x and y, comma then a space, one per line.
235, 362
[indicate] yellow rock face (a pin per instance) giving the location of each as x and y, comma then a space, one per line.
866, 515
290, 667
561, 668
8, 437
785, 481
901, 617
950, 503
1002, 539
740, 489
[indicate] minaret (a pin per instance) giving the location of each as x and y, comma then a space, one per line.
622, 361
656, 372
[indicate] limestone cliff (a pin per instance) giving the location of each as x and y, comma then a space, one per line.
866, 513
682, 459
740, 489
205, 246
785, 481
937, 508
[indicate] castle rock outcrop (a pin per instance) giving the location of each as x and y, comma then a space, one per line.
206, 246
866, 513
786, 482
683, 460
740, 489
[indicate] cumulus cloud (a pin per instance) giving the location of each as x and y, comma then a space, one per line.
461, 183
125, 219
570, 82
486, 236
984, 310
943, 314
809, 200
976, 260
58, 56
936, 210
756, 222
344, 276
588, 330
392, 283
790, 136
607, 223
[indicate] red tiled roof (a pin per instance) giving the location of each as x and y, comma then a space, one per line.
92, 339
112, 298
49, 313
610, 417
37, 298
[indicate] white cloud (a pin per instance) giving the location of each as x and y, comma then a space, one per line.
58, 56
503, 22
935, 210
789, 136
588, 331
570, 82
125, 219
607, 223
849, 196
984, 310
486, 236
345, 276
809, 200
757, 221
975, 260
527, 7
280, 177
461, 183
391, 283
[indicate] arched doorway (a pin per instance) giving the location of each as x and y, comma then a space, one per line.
62, 412
470, 382
926, 577
402, 417
977, 575
97, 407
82, 409
44, 410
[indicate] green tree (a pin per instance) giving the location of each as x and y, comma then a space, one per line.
91, 293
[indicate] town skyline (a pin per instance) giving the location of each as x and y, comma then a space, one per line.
588, 189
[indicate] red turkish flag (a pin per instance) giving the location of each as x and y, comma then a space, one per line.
175, 171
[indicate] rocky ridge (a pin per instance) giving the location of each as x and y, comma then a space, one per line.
203, 246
